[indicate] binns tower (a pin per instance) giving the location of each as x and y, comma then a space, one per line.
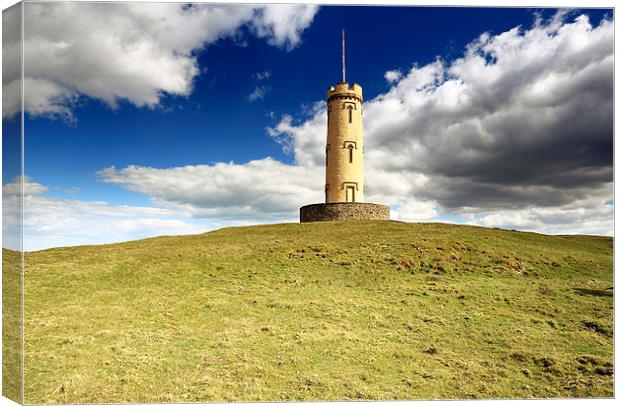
344, 152
344, 159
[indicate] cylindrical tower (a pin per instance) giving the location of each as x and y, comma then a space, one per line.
344, 152
344, 160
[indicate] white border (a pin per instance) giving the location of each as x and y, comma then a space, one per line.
457, 3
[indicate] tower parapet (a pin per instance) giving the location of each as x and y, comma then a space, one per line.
344, 90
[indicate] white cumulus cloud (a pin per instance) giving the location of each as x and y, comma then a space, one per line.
263, 190
592, 215
282, 24
263, 75
50, 222
259, 93
393, 75
128, 51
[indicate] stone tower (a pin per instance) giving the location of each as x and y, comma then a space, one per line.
344, 159
344, 152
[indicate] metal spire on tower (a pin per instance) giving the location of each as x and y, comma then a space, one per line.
344, 77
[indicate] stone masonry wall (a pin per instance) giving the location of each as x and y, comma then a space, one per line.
343, 211
345, 144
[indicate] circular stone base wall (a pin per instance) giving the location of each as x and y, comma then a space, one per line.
343, 211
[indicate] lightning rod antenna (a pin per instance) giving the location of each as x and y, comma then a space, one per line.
344, 77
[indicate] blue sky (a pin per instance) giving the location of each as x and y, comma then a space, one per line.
80, 144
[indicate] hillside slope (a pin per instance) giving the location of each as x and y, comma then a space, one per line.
356, 310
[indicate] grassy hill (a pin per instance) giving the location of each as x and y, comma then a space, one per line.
355, 310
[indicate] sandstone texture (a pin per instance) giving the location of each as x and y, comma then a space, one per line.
344, 152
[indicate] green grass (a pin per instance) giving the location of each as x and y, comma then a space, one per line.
11, 325
343, 310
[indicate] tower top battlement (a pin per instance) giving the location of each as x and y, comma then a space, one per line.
344, 89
